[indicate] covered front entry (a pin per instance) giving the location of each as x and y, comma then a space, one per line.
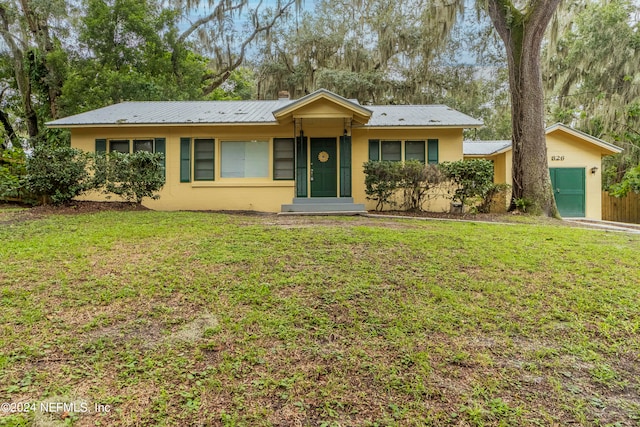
569, 190
322, 124
323, 167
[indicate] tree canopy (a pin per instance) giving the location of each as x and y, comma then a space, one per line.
593, 78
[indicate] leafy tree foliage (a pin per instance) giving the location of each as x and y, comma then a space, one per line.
373, 50
62, 57
593, 75
127, 47
12, 172
630, 182
33, 63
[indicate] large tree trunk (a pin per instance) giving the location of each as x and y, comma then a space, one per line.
40, 31
21, 75
522, 33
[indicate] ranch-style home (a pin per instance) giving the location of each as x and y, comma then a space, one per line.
280, 155
303, 155
575, 160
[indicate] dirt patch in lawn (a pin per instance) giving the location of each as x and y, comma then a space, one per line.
82, 207
11, 213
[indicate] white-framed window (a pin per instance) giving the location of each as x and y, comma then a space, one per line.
421, 150
283, 158
244, 159
391, 151
119, 146
144, 145
204, 159
125, 145
414, 150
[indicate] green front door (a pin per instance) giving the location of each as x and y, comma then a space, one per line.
569, 190
324, 172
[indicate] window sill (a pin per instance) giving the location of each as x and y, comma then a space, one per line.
224, 183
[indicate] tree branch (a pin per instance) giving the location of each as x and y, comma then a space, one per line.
218, 13
225, 72
20, 74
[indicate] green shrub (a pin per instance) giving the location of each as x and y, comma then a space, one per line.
130, 176
473, 178
381, 181
384, 179
416, 179
523, 204
57, 174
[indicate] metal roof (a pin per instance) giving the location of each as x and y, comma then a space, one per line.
484, 148
177, 112
257, 112
419, 115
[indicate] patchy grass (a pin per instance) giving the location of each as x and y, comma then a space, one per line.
211, 319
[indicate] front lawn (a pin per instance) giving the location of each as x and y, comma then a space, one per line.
184, 318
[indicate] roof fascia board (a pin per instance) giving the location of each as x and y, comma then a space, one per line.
465, 126
131, 125
584, 136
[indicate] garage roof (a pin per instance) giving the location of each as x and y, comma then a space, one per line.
485, 148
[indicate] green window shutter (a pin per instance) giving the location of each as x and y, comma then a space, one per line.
185, 159
345, 166
301, 167
101, 145
374, 149
432, 149
160, 147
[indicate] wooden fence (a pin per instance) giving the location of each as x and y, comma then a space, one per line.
623, 209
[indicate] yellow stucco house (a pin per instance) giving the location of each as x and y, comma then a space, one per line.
281, 155
575, 160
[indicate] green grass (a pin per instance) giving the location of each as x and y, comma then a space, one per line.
210, 319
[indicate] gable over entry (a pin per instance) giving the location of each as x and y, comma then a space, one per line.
322, 123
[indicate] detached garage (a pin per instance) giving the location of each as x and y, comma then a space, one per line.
575, 166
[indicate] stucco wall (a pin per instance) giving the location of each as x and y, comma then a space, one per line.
259, 194
449, 150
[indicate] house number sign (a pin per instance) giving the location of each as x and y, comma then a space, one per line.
557, 158
323, 156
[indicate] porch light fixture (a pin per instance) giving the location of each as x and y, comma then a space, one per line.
594, 170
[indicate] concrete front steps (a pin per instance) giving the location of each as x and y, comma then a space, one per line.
323, 206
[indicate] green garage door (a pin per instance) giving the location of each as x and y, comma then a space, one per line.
569, 190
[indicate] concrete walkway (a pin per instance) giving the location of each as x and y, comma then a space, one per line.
606, 225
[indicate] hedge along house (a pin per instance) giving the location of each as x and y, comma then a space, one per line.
575, 167
281, 155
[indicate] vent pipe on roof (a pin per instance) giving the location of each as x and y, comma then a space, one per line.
283, 95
